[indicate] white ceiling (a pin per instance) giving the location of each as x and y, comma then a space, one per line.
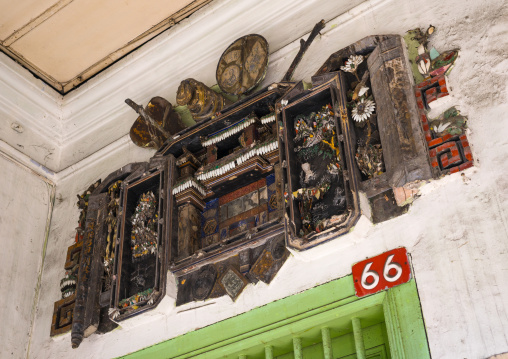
65, 42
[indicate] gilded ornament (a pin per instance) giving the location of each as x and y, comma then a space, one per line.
243, 65
201, 101
156, 122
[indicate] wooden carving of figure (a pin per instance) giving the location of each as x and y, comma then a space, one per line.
201, 101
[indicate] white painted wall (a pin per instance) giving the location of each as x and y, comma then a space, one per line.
34, 109
25, 206
456, 232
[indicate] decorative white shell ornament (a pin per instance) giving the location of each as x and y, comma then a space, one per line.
352, 63
363, 110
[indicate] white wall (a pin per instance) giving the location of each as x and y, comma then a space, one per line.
25, 206
456, 232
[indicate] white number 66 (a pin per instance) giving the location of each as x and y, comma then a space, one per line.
386, 273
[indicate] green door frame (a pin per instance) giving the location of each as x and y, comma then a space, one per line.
291, 317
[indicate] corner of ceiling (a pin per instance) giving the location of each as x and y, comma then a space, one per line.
30, 114
60, 131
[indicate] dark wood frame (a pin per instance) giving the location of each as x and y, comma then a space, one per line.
190, 138
163, 168
335, 86
404, 147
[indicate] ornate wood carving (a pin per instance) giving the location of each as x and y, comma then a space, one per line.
243, 65
270, 261
86, 309
229, 178
204, 283
321, 192
402, 141
201, 101
396, 121
63, 315
140, 260
218, 203
157, 121
64, 308
73, 255
259, 260
233, 282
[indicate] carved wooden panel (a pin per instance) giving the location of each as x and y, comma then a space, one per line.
228, 198
142, 246
73, 255
399, 143
261, 260
402, 138
63, 315
87, 309
320, 183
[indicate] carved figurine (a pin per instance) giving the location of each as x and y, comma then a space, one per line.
201, 101
309, 174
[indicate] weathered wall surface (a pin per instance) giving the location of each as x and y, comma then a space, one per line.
456, 232
25, 202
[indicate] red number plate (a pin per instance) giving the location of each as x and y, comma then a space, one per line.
381, 272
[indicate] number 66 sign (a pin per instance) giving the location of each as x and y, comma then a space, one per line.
381, 272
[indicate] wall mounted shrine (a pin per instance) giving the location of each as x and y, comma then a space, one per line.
227, 200
221, 201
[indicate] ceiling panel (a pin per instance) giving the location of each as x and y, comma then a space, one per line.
65, 42
15, 14
86, 31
